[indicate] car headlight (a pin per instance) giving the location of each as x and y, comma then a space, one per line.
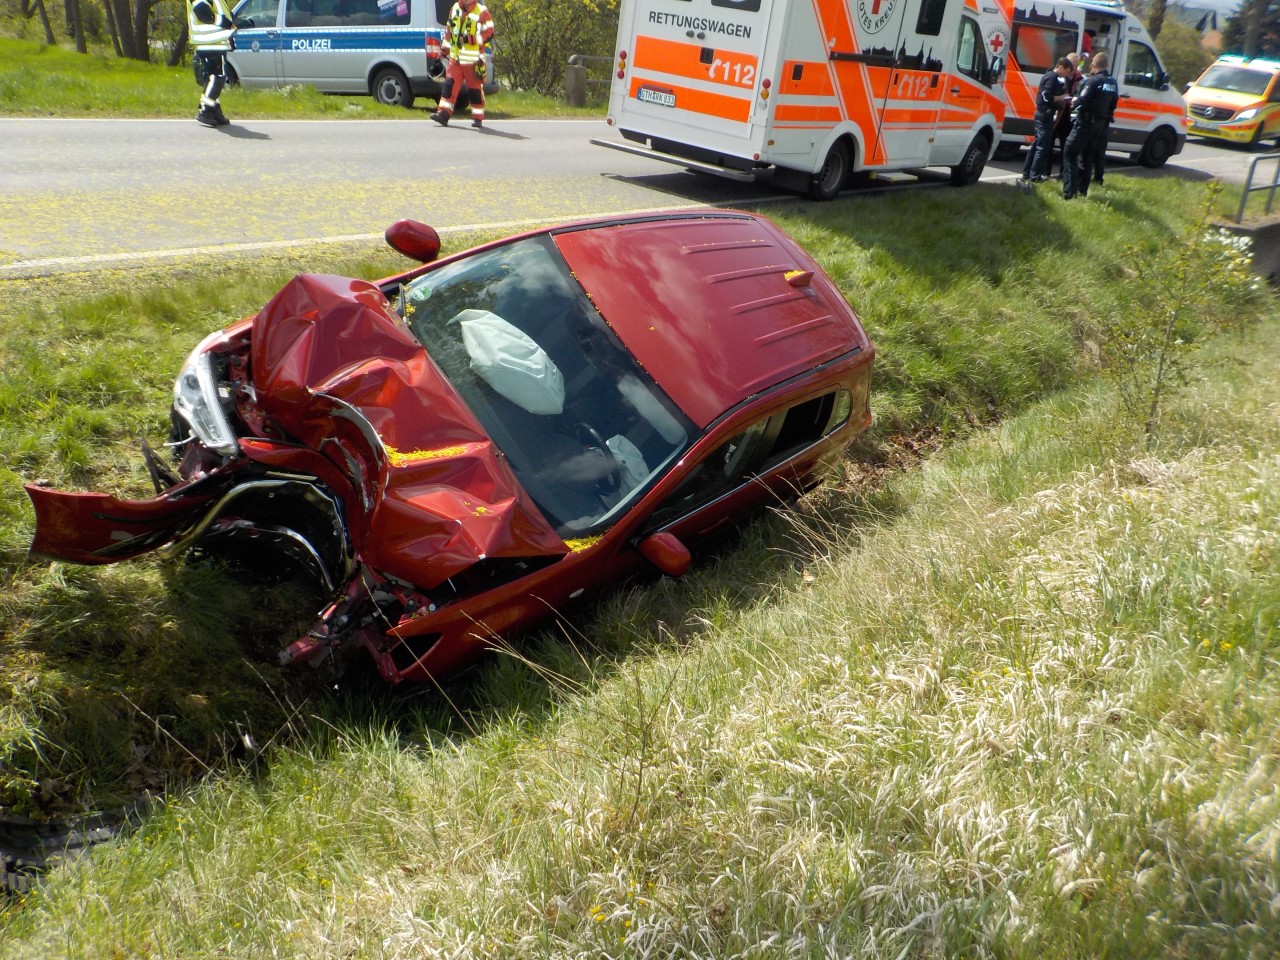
197, 400
1247, 114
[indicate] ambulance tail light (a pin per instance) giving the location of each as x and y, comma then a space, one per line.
765, 84
622, 64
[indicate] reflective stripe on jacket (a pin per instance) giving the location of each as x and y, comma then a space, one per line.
209, 24
467, 32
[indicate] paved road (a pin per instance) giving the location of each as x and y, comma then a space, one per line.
77, 194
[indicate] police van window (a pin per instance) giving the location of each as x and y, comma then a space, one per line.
1037, 48
1141, 68
346, 13
929, 23
442, 10
971, 59
259, 13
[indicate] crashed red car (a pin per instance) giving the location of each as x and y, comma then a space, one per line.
460, 450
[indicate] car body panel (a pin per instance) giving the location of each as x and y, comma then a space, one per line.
648, 278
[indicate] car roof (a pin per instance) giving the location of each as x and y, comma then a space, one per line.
717, 306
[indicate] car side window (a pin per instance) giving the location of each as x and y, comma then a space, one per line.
1275, 92
764, 444
1142, 69
262, 13
346, 13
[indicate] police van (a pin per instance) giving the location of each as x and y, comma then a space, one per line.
1150, 119
387, 49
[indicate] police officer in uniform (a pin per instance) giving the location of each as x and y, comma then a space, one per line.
1094, 109
1049, 95
210, 28
468, 30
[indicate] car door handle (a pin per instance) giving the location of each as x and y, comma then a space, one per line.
271, 33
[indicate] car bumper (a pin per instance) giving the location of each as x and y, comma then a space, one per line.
1243, 131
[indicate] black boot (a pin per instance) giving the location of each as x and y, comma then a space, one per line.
208, 116
441, 118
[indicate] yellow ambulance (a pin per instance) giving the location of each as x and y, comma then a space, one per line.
1236, 99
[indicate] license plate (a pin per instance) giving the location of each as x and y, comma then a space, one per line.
661, 97
1200, 128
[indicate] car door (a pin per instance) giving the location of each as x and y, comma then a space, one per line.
256, 58
762, 464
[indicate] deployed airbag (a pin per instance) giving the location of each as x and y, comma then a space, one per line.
510, 361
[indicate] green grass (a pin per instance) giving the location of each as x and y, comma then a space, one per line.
1026, 707
1019, 702
41, 81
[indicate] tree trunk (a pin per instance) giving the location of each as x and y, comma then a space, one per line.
179, 50
115, 31
76, 25
1257, 15
1155, 19
44, 21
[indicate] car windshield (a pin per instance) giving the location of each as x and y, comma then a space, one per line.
1235, 79
584, 428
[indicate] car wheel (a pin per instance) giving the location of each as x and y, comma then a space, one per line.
1157, 149
391, 87
968, 171
1006, 150
233, 78
830, 178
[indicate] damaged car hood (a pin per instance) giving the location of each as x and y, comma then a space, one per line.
334, 368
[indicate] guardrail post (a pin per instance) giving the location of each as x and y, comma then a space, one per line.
575, 82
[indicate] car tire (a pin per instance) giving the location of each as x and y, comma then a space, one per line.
233, 78
969, 170
827, 183
390, 86
1157, 149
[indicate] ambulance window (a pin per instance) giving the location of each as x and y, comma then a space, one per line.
1037, 48
1141, 68
971, 58
1275, 91
929, 23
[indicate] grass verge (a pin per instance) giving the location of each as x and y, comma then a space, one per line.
1022, 702
42, 81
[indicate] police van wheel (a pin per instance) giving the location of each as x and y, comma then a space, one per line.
1157, 149
830, 178
391, 87
968, 171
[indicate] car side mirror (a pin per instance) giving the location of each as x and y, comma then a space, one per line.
666, 552
414, 239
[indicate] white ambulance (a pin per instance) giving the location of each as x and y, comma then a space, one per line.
1150, 122
814, 89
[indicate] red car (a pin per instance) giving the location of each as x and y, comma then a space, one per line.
460, 450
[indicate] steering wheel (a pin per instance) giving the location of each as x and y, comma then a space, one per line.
590, 438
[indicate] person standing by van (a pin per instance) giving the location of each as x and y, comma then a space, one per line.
1049, 95
1087, 144
469, 29
210, 28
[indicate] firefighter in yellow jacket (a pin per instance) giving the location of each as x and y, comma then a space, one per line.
468, 30
210, 28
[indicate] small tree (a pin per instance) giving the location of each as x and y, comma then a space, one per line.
1182, 54
1198, 282
535, 38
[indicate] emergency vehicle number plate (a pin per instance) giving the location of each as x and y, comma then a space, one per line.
661, 97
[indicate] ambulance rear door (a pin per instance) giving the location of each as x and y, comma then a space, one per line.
692, 72
1043, 33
